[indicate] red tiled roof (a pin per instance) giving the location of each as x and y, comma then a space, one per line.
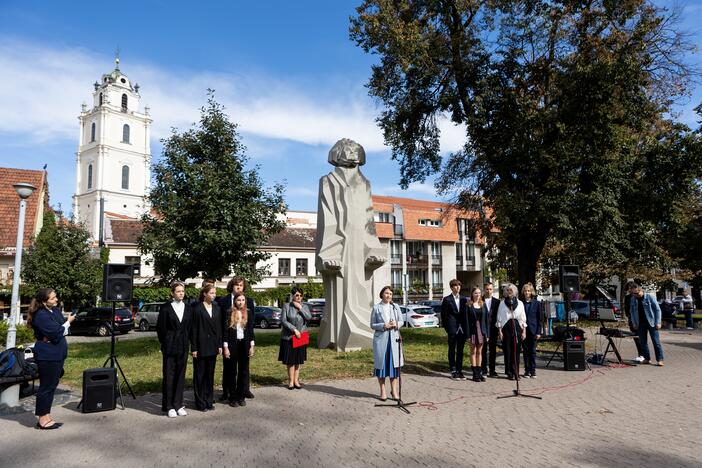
111, 214
9, 205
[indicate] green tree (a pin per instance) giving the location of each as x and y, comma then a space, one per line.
210, 213
564, 106
61, 258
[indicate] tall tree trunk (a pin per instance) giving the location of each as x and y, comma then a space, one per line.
528, 253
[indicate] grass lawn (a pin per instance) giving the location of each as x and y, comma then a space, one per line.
425, 352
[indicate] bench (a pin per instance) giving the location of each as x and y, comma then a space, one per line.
671, 322
22, 380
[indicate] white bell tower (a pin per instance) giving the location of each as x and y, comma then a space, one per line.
113, 162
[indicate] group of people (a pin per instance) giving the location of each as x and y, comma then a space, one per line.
481, 320
204, 329
212, 326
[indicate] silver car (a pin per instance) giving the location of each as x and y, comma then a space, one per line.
147, 316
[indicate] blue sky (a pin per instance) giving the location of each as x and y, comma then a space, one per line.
286, 72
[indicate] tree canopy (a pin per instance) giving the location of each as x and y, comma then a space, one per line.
565, 105
209, 212
61, 258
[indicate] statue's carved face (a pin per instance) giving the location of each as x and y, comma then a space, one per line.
347, 153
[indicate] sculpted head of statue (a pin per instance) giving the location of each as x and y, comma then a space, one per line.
347, 153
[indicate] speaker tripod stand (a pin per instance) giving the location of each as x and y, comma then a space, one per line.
114, 363
399, 403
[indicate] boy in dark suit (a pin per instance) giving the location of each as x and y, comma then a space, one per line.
454, 317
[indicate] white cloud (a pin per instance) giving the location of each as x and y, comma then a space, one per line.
41, 89
414, 189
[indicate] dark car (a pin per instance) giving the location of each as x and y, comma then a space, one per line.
266, 317
99, 320
317, 311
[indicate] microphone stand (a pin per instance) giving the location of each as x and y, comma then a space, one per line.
515, 361
399, 403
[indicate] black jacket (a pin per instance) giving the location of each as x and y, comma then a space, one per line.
225, 305
452, 317
492, 313
206, 333
174, 334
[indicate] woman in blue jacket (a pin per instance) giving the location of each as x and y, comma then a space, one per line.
386, 320
50, 351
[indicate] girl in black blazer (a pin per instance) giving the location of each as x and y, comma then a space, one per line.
478, 332
238, 348
173, 329
205, 345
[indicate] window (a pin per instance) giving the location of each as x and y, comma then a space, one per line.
92, 132
436, 279
383, 217
396, 278
124, 103
459, 251
136, 264
283, 267
125, 177
395, 252
90, 176
100, 100
430, 222
301, 267
125, 133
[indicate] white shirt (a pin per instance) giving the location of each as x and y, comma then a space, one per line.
387, 312
179, 308
488, 303
457, 298
208, 308
504, 315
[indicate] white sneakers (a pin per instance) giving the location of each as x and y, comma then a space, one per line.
173, 413
639, 359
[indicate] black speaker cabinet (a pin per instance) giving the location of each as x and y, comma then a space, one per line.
99, 390
574, 355
117, 282
569, 277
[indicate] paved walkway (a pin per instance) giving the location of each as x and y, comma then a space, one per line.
631, 416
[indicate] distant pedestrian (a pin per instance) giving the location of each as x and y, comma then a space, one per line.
687, 305
630, 288
646, 320
50, 351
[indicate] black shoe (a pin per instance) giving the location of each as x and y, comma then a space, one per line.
510, 377
476, 371
242, 402
211, 407
224, 397
248, 394
481, 375
55, 425
454, 375
233, 404
493, 374
461, 376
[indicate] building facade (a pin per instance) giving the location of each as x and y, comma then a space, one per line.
113, 162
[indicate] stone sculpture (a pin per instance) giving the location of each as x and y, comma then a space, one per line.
348, 250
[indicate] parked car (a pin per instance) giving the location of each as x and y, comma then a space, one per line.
436, 305
266, 317
580, 307
317, 311
147, 316
419, 316
99, 320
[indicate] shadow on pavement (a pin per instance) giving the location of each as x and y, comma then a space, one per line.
340, 392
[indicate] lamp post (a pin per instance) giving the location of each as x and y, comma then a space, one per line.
24, 190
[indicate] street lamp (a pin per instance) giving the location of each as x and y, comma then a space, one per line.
24, 190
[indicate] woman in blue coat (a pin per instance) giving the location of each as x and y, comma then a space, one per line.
50, 351
386, 320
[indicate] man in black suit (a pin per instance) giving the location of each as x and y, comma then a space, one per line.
492, 305
235, 285
454, 317
173, 330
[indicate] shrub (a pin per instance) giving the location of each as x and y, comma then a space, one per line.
24, 334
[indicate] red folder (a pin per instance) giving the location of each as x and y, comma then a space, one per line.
302, 341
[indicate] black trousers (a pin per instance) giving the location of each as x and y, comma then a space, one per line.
511, 345
203, 381
491, 348
456, 345
226, 375
173, 381
49, 375
529, 346
238, 378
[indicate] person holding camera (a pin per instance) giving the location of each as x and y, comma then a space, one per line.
50, 351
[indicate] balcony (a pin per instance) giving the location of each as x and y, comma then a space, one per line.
436, 260
417, 261
396, 259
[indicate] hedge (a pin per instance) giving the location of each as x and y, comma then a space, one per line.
24, 334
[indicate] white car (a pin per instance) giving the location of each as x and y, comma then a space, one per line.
419, 316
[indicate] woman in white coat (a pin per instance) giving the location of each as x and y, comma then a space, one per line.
386, 320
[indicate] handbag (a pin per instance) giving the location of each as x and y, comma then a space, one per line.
302, 341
